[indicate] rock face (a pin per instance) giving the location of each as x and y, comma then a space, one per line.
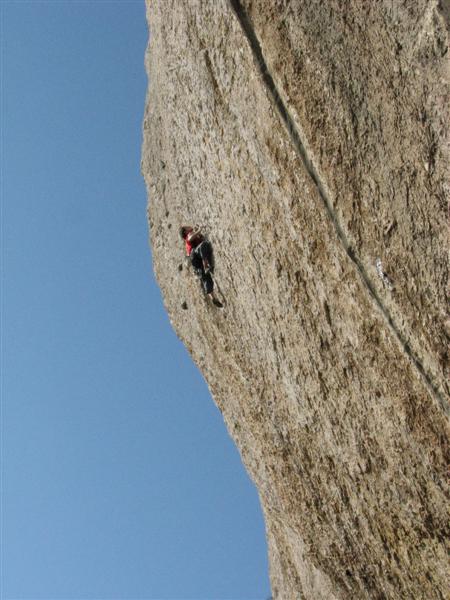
308, 138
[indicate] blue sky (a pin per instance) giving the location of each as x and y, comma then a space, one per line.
119, 479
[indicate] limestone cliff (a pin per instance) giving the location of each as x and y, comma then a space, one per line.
308, 138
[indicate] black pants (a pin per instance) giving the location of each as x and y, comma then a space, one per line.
201, 253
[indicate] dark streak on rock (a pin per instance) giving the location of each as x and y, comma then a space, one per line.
299, 146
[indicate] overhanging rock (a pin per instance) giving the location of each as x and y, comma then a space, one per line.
309, 141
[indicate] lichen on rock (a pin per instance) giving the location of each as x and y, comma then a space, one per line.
309, 140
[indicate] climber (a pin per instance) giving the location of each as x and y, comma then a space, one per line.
199, 253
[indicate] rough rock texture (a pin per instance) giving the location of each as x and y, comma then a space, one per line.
308, 138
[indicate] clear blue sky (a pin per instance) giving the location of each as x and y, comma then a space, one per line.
119, 479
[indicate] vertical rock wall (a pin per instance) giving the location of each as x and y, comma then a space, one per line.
308, 140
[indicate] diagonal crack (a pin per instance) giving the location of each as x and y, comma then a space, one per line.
302, 152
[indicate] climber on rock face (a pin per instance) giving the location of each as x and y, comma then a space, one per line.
199, 252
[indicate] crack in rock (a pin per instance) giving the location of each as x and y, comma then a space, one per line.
304, 155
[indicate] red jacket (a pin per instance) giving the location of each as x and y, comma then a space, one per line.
192, 241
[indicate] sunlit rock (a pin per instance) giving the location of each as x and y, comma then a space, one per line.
308, 140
